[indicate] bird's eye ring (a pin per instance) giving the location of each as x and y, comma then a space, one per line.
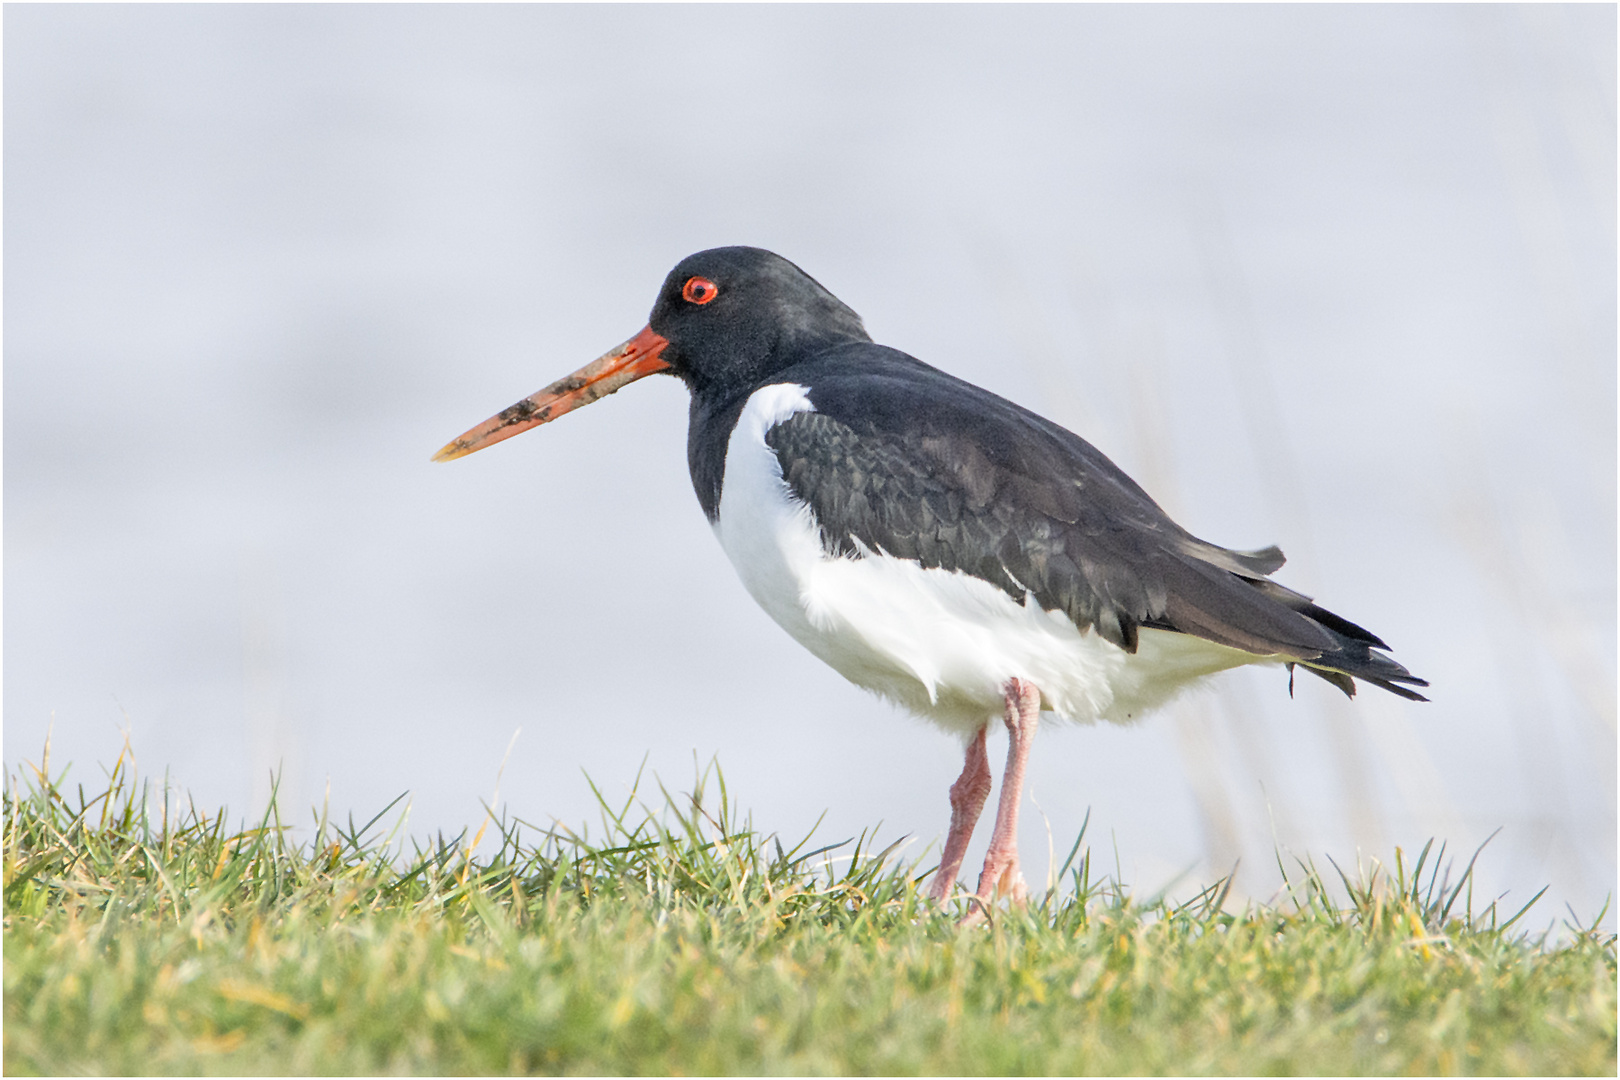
699, 290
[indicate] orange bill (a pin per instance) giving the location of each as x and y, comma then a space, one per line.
638, 357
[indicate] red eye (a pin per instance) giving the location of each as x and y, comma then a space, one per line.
699, 290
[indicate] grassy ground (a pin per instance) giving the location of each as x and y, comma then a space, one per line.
139, 941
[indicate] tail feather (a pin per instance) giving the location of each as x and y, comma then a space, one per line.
1353, 656
1303, 604
1356, 658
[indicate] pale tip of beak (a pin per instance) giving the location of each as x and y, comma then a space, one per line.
452, 450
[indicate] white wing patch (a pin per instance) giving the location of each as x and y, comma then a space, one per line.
942, 643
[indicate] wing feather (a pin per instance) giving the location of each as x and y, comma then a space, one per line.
901, 458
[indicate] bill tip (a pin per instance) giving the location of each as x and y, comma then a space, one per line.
450, 451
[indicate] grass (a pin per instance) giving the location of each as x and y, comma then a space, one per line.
140, 940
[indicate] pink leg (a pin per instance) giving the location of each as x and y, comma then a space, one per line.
968, 794
1001, 876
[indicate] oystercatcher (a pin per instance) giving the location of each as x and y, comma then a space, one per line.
936, 543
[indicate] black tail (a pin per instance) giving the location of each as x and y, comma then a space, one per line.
1357, 655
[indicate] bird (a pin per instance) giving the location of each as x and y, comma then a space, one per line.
936, 543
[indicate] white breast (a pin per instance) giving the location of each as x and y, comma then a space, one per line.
939, 642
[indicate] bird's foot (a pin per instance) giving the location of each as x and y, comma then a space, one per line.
1014, 889
1001, 880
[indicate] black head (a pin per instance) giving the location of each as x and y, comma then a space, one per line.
735, 315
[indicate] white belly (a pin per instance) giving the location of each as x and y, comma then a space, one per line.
939, 642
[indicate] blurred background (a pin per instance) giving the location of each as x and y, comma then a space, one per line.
1340, 278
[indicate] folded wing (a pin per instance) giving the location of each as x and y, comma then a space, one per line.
914, 463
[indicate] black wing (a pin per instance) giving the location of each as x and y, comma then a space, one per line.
901, 458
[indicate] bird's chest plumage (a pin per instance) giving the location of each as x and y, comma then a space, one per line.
942, 643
